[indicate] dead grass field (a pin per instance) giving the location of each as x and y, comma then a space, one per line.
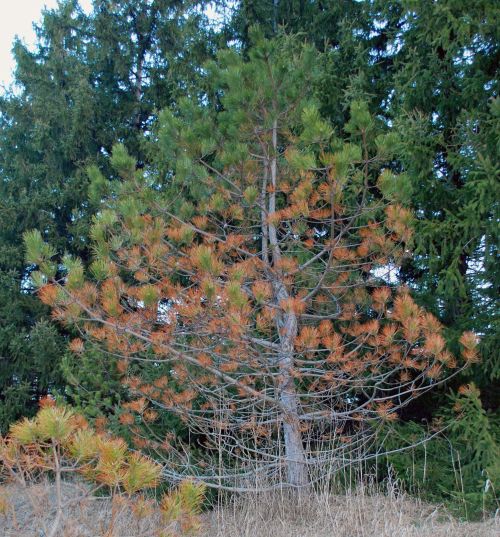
353, 515
359, 514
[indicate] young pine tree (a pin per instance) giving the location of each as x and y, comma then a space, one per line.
58, 443
259, 280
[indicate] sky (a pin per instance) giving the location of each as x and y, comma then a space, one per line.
17, 19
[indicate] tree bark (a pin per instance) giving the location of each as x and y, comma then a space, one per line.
295, 458
286, 324
57, 471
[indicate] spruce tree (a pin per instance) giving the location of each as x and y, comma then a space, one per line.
45, 135
89, 81
445, 108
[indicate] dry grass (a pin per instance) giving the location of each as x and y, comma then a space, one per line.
272, 515
30, 512
352, 515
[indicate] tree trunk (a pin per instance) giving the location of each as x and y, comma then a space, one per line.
286, 324
295, 458
57, 471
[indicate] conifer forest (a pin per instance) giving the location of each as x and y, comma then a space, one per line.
251, 247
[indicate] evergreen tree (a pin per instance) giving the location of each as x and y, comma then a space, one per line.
444, 105
354, 63
428, 69
432, 71
320, 22
90, 81
257, 278
460, 465
45, 135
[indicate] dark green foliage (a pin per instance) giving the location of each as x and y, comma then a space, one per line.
45, 137
457, 460
446, 112
320, 22
90, 82
30, 348
93, 382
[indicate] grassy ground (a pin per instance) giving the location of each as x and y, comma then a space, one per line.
29, 513
353, 515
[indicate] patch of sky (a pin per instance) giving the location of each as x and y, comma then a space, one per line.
388, 273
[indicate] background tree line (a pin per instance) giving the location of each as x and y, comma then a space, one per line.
428, 72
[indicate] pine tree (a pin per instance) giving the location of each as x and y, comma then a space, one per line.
431, 71
59, 443
260, 276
